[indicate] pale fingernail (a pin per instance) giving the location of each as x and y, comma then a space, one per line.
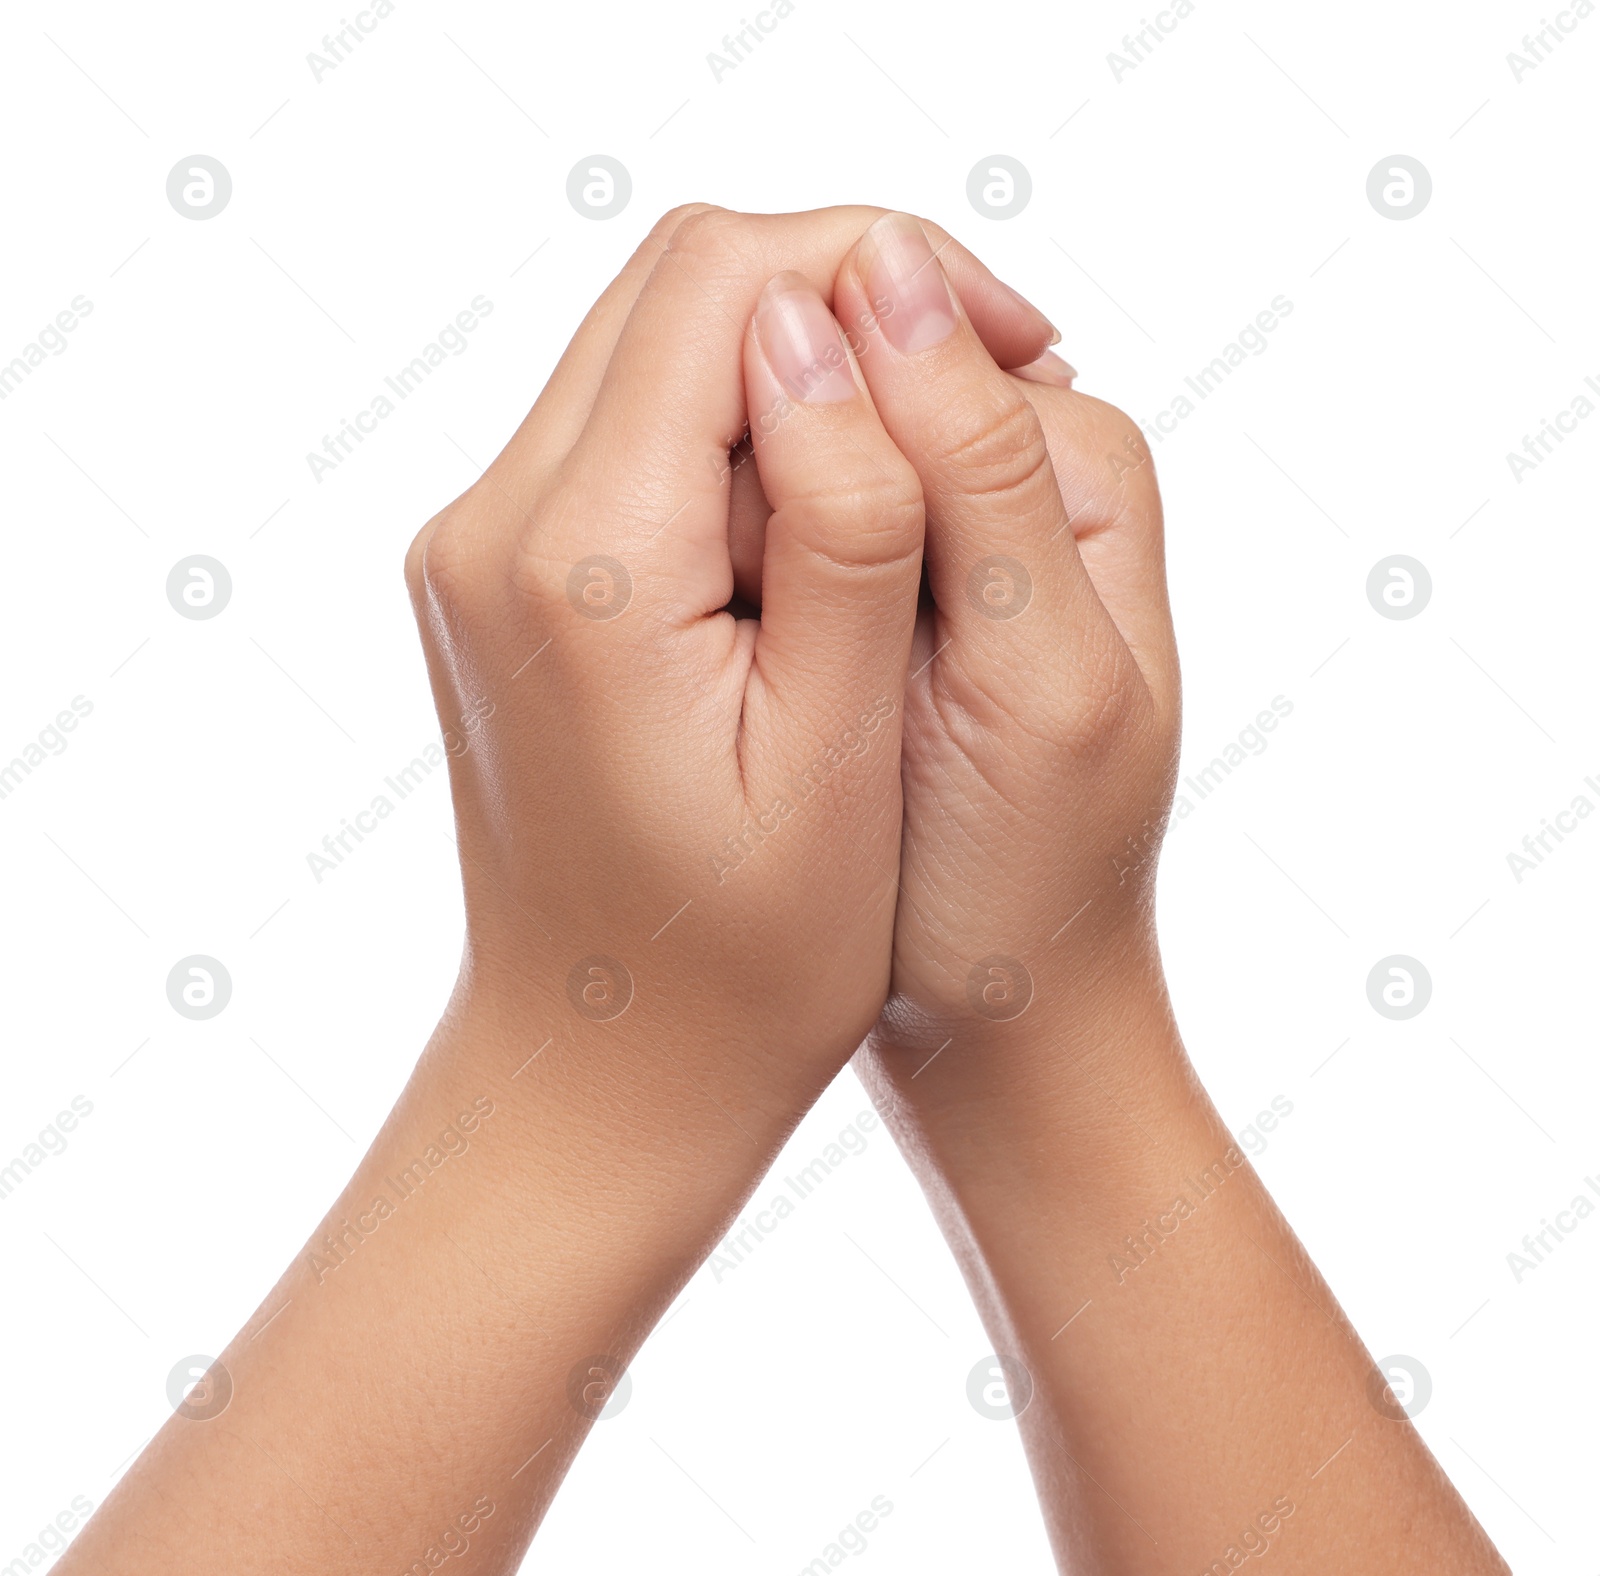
1032, 310
1049, 368
802, 342
906, 285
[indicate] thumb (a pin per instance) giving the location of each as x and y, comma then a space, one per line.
843, 554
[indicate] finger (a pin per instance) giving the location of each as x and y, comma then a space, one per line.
567, 398
1009, 325
1106, 474
1050, 369
552, 426
681, 343
748, 508
1003, 565
844, 542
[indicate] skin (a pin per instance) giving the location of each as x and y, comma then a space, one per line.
421, 1379
705, 857
1198, 1396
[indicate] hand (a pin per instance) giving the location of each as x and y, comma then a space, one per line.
661, 805
679, 833
1027, 1060
1042, 710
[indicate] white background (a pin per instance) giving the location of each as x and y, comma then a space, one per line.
1168, 209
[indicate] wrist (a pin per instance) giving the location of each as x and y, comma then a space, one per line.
1066, 1007
579, 1180
599, 1080
658, 1039
1095, 1062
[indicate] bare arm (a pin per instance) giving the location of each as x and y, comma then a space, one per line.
679, 832
422, 1375
1192, 1377
1197, 1395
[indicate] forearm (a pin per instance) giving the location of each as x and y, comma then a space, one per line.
1196, 1388
419, 1378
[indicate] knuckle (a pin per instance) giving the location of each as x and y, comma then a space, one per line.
861, 522
674, 219
539, 573
447, 565
1083, 709
717, 238
557, 563
1104, 708
1120, 438
1103, 464
1001, 451
416, 552
1104, 416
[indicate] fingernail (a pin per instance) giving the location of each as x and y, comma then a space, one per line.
1049, 368
906, 285
1032, 310
802, 342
